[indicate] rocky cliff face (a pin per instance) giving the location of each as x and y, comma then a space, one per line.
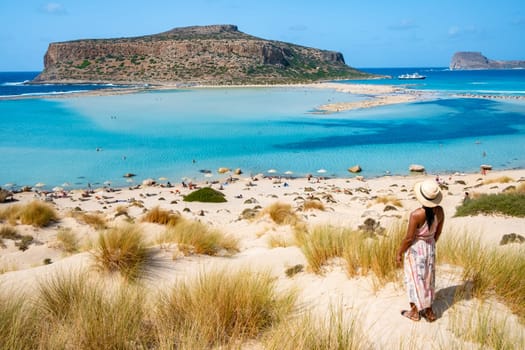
475, 60
218, 54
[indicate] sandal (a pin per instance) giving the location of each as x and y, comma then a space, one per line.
428, 315
414, 316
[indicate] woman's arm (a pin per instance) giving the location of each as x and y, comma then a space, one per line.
416, 218
441, 219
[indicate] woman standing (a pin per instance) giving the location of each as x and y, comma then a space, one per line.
419, 250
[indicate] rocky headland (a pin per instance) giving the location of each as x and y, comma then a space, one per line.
475, 60
214, 55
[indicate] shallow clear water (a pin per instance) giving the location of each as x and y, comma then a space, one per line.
177, 134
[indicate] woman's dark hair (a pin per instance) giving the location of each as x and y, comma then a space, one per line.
429, 213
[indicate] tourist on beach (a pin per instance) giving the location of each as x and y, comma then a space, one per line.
419, 250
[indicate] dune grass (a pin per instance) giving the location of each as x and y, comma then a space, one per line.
122, 249
161, 216
322, 244
281, 214
35, 213
74, 312
95, 220
9, 214
510, 203
389, 200
114, 321
59, 295
18, 326
501, 179
21, 241
221, 307
309, 332
489, 269
362, 254
313, 204
194, 237
9, 232
485, 326
278, 240
67, 240
71, 310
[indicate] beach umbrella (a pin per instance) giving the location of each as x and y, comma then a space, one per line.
57, 189
288, 172
66, 184
162, 178
271, 171
40, 184
321, 171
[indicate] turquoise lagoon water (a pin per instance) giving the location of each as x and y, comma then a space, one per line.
184, 134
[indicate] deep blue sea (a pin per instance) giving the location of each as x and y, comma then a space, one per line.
186, 133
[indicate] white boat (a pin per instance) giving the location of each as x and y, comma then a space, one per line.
411, 76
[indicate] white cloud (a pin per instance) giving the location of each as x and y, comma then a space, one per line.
456, 31
53, 8
404, 24
520, 21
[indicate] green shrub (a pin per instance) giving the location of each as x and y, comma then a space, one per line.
84, 64
512, 204
205, 195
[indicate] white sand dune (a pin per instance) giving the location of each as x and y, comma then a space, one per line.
348, 203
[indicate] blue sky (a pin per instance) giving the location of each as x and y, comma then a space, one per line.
373, 33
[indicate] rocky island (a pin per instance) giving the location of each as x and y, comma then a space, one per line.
475, 60
213, 55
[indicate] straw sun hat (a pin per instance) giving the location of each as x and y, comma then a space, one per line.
428, 193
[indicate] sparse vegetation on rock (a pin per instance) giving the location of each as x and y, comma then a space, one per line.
216, 54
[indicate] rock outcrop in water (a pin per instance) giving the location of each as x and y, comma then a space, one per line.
475, 60
216, 54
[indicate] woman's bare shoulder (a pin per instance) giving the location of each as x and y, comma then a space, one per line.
418, 213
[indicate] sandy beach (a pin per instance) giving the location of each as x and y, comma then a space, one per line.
376, 95
348, 202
